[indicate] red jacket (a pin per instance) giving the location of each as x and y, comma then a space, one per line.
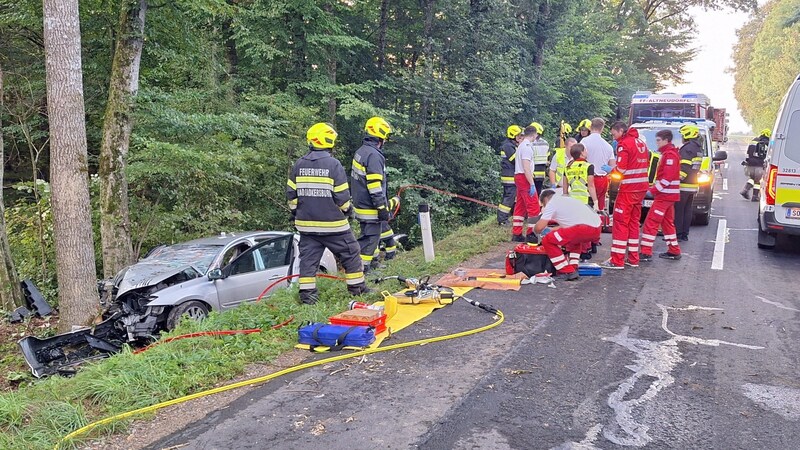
633, 162
666, 185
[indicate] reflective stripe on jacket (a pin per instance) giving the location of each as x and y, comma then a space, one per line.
633, 162
561, 163
691, 159
578, 179
368, 181
508, 152
540, 151
666, 185
318, 193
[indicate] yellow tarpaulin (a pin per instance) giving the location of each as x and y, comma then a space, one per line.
406, 315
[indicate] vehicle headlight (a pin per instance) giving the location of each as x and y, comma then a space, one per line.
704, 178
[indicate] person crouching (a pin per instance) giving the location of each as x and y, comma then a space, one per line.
578, 225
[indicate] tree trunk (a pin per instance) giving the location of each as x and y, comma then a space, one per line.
69, 169
115, 230
332, 100
540, 39
383, 27
10, 291
427, 31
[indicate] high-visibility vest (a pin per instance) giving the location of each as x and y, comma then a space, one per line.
578, 179
561, 163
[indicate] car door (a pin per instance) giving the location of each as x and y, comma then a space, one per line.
252, 271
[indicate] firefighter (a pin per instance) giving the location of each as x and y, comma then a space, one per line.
558, 164
527, 201
578, 226
583, 129
691, 157
368, 179
388, 242
541, 151
632, 164
665, 191
319, 199
508, 152
754, 164
580, 177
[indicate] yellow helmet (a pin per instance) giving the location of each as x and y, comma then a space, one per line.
538, 126
766, 132
513, 131
565, 127
585, 123
321, 135
690, 131
378, 127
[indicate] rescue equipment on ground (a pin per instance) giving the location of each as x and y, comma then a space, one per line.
335, 337
589, 270
421, 291
529, 259
361, 305
361, 317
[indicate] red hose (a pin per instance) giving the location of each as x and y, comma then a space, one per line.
440, 191
213, 333
280, 280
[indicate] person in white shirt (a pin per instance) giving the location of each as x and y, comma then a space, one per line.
527, 202
601, 155
578, 226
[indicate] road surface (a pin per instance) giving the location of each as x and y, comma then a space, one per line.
669, 355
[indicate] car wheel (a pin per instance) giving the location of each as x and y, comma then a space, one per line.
702, 219
192, 309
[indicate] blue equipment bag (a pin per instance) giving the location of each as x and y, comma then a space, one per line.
589, 270
335, 336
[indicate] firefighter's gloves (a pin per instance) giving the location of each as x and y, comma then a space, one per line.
394, 203
383, 214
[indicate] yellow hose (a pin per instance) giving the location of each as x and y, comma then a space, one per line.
368, 351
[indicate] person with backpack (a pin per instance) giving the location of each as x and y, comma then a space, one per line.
754, 164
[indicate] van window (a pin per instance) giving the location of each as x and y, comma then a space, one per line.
791, 146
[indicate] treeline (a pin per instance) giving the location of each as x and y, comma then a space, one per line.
767, 60
227, 88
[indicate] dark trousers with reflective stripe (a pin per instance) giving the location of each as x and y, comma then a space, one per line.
343, 246
368, 241
388, 241
506, 206
684, 212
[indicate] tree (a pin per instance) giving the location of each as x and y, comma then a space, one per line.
10, 291
115, 230
72, 225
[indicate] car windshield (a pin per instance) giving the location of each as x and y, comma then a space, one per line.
649, 136
199, 256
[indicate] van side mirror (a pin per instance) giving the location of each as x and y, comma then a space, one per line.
720, 155
215, 274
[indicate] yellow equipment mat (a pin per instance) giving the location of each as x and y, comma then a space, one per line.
491, 279
406, 315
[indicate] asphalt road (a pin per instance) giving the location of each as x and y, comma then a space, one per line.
669, 355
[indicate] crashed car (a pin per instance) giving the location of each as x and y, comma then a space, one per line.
187, 279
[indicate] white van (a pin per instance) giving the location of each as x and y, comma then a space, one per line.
779, 206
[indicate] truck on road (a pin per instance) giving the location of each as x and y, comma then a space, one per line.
647, 106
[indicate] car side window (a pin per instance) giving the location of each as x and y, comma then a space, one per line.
244, 264
275, 252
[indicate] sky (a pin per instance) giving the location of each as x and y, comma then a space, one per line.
706, 73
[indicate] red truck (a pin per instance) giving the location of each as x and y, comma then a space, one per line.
646, 105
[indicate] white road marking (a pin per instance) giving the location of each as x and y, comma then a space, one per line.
776, 304
726, 165
724, 184
654, 360
719, 245
780, 400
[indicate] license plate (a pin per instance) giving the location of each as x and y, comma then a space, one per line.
647, 203
793, 213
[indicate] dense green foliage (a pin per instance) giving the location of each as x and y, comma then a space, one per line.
767, 61
228, 88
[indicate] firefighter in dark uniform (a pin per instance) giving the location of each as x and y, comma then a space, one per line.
508, 151
388, 243
691, 157
754, 164
319, 198
368, 186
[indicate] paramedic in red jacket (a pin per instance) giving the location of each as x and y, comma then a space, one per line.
666, 191
633, 161
578, 224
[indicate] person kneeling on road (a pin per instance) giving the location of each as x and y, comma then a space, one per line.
578, 225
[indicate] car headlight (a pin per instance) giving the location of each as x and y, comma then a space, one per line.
704, 178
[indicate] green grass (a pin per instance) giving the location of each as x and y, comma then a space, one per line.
38, 414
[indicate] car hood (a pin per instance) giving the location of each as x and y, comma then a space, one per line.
149, 273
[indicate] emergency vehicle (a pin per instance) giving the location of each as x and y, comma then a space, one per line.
779, 205
705, 195
646, 105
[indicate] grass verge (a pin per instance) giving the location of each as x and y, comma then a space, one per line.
38, 414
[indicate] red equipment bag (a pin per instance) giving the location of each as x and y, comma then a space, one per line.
528, 259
